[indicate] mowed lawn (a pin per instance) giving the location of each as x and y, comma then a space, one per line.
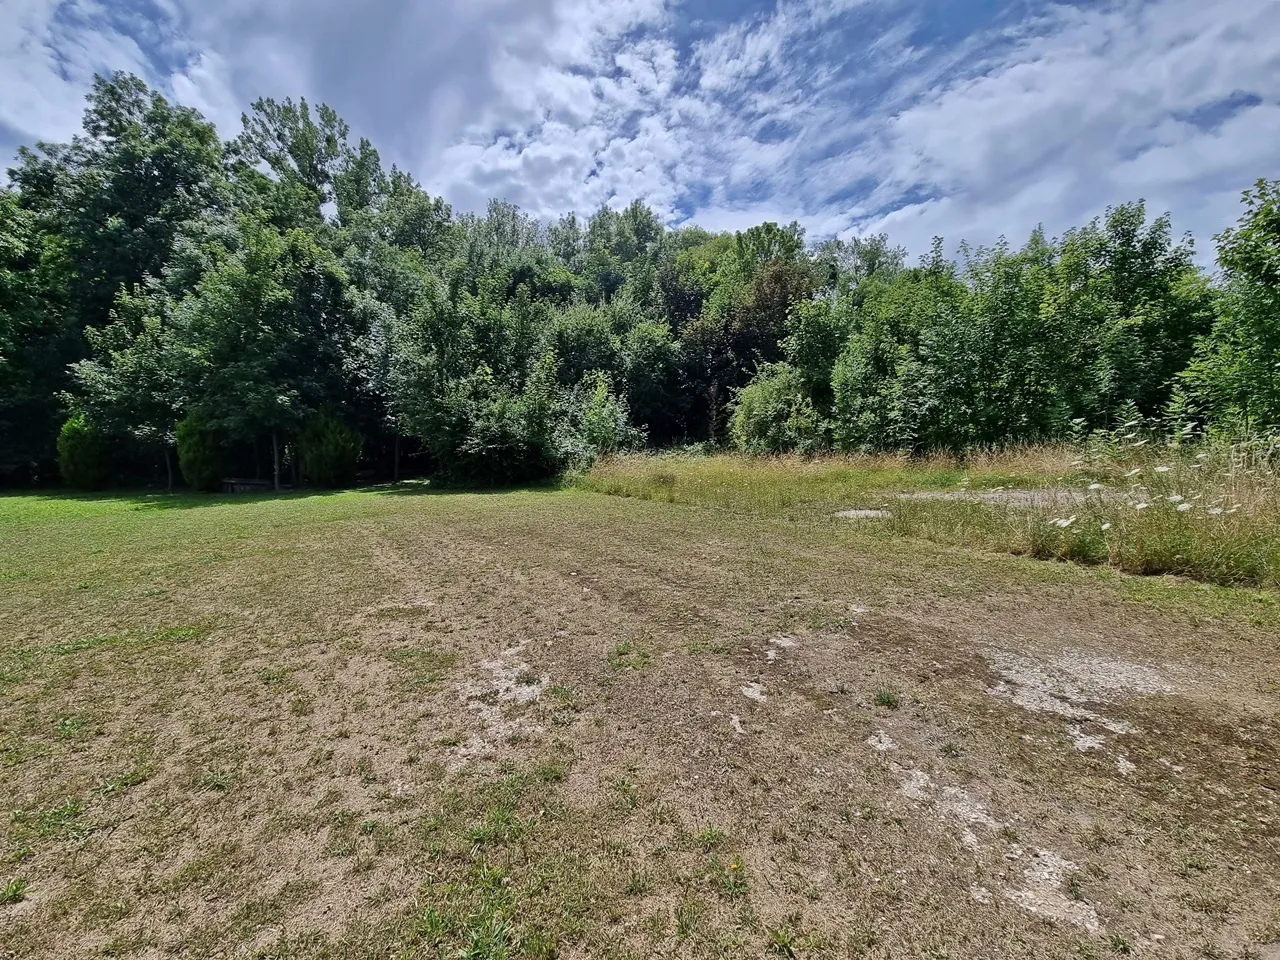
395, 723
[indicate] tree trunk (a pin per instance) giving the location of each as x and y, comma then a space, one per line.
715, 409
395, 473
275, 457
168, 466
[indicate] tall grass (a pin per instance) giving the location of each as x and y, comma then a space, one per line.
795, 485
1208, 512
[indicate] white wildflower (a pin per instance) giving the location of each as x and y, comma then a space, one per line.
1106, 526
1175, 498
1096, 486
1162, 469
1184, 507
1063, 524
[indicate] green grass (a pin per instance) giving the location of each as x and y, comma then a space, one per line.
13, 891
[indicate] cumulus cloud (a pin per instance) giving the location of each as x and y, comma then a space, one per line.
851, 116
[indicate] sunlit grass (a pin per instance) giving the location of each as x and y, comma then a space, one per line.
808, 486
1210, 513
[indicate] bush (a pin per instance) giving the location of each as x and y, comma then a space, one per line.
484, 432
329, 451
601, 421
199, 454
773, 414
83, 454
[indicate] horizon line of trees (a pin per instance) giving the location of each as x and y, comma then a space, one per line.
282, 306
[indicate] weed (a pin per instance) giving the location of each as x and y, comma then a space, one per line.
130, 778
425, 667
637, 882
1210, 513
564, 694
710, 839
782, 941
629, 791
550, 772
629, 655
1120, 944
688, 915
887, 698
61, 821
13, 890
731, 878
1075, 889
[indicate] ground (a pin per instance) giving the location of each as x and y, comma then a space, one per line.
394, 723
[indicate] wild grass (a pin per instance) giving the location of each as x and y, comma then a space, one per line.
806, 486
1206, 512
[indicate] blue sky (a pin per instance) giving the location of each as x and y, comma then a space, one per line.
962, 118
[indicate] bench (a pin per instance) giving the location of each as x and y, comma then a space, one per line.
235, 485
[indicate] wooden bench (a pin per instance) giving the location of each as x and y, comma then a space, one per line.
235, 485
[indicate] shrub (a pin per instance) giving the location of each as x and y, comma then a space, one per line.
83, 454
199, 454
773, 414
602, 420
329, 451
484, 432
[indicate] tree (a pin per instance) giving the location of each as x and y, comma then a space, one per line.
83, 222
133, 383
1235, 375
38, 337
651, 362
305, 153
266, 334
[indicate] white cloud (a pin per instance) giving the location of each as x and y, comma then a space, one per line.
837, 113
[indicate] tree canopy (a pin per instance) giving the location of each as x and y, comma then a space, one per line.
296, 310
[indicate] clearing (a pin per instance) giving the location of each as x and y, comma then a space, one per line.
393, 723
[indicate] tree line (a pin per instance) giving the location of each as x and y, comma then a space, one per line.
284, 306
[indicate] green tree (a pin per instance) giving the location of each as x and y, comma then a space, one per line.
266, 333
1235, 375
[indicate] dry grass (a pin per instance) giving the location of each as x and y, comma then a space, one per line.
1210, 513
393, 724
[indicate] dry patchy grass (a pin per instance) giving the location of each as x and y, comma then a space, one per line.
393, 724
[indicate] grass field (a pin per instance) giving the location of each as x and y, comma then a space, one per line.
394, 723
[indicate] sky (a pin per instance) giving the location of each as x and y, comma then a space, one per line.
967, 119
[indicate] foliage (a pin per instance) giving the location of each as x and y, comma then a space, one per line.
773, 414
603, 420
200, 454
83, 454
1207, 512
1235, 376
329, 451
